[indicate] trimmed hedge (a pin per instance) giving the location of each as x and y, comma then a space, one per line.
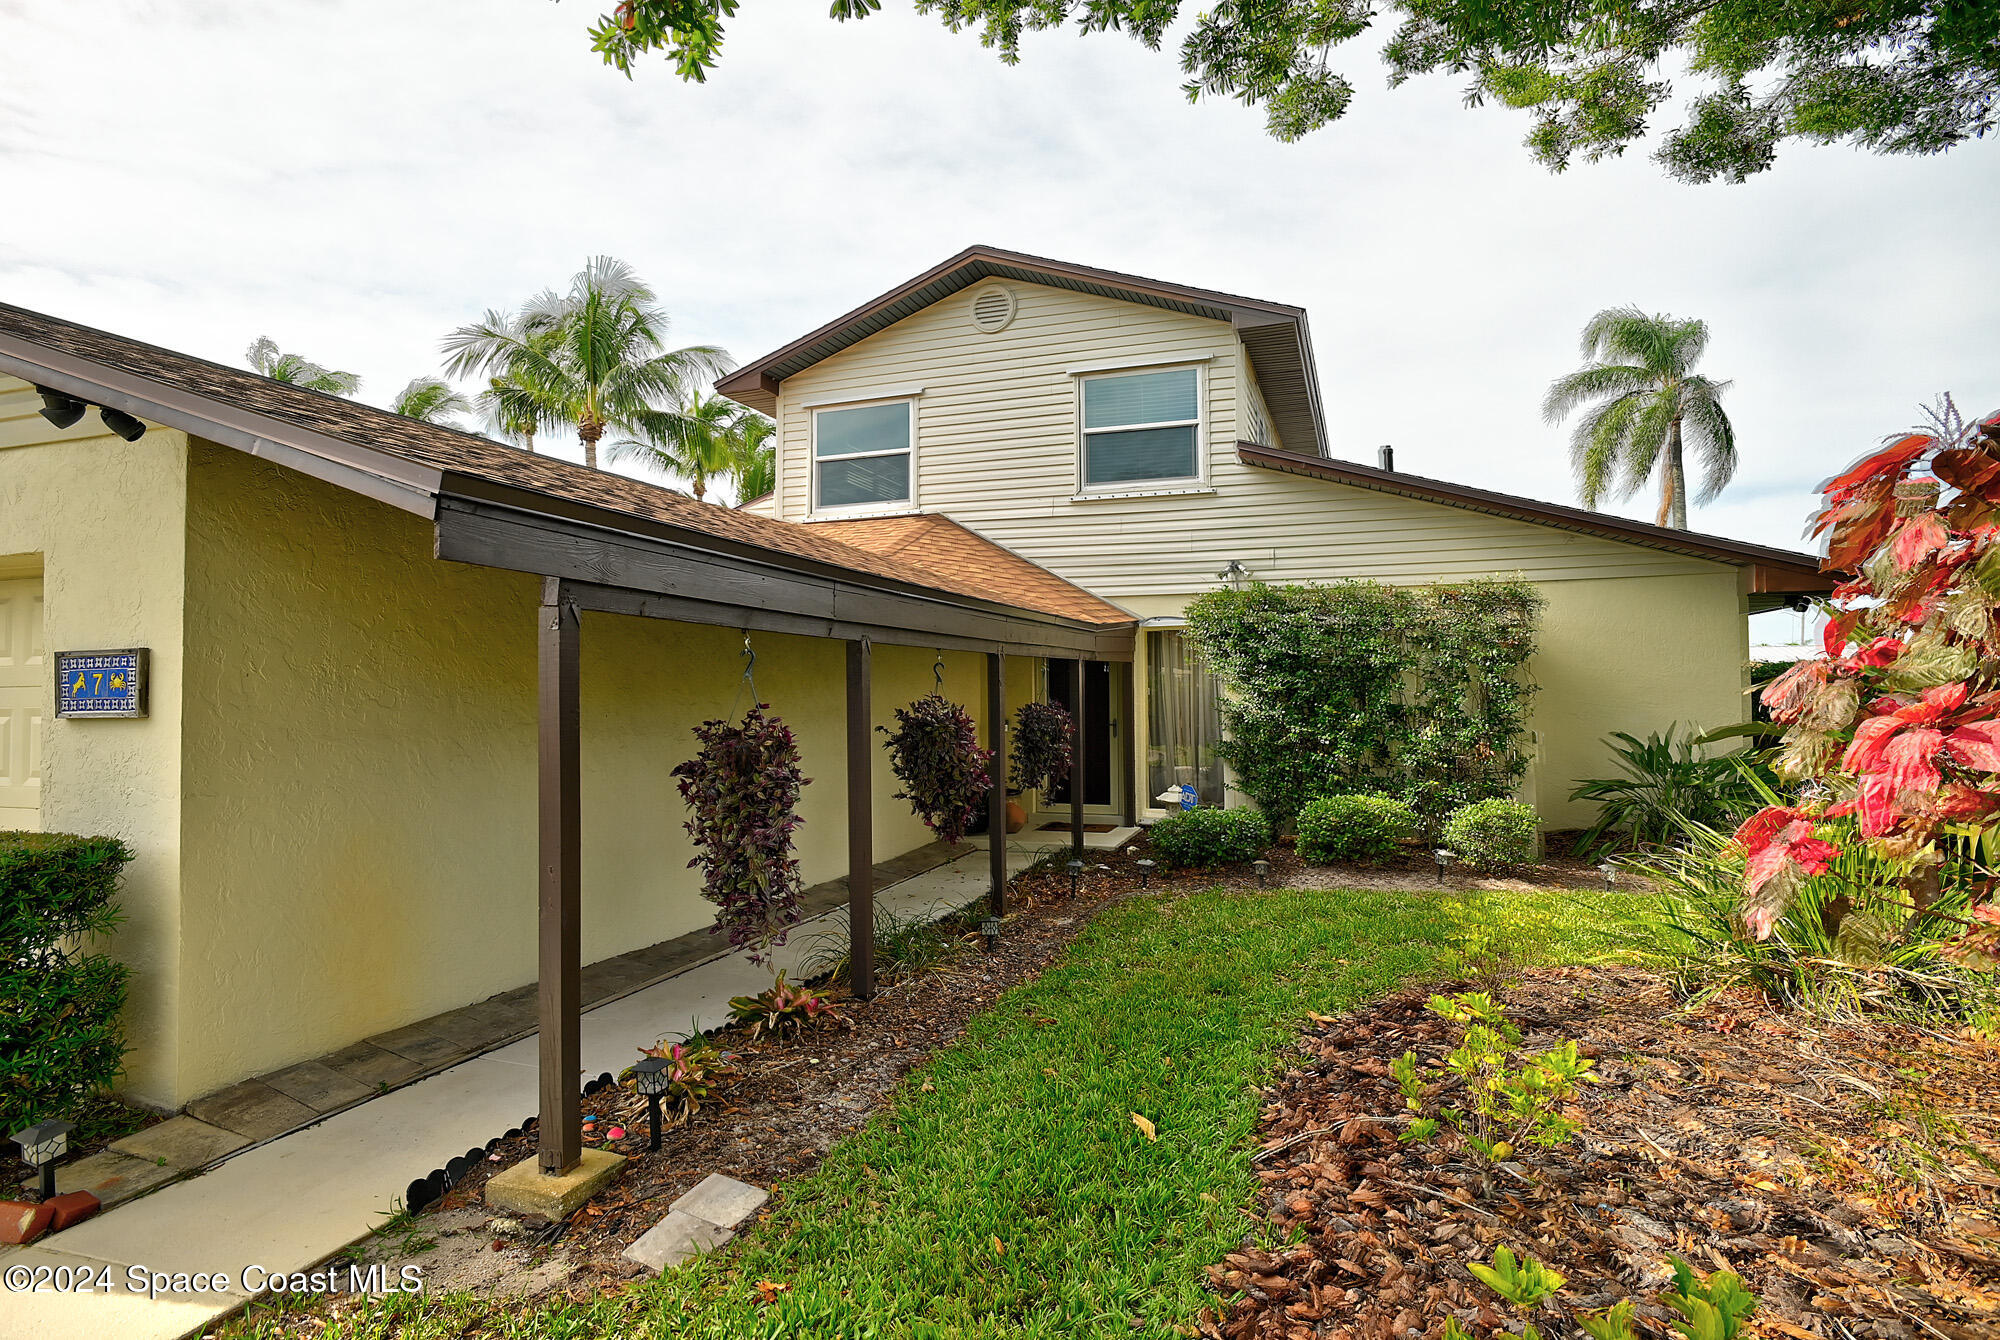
1354, 828
60, 1036
1210, 837
1490, 833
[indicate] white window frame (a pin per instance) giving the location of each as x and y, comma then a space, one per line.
814, 459
1140, 487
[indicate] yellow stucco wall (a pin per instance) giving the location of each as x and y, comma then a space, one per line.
102, 521
360, 822
1634, 654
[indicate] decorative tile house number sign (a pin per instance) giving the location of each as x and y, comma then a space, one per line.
101, 683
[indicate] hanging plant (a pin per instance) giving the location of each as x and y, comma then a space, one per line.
744, 790
934, 752
1042, 736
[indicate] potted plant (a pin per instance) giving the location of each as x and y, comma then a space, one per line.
1044, 736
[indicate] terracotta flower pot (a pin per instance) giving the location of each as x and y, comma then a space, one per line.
1017, 818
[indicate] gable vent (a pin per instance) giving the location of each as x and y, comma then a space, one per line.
992, 308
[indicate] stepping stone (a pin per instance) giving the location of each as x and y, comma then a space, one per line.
722, 1201
252, 1108
367, 1064
111, 1176
183, 1142
675, 1239
319, 1086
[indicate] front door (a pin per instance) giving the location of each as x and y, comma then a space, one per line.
1100, 730
25, 694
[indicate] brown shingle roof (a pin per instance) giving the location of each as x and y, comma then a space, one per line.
449, 450
939, 544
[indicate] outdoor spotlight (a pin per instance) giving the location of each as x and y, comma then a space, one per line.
123, 424
59, 409
1263, 869
1443, 859
41, 1146
989, 930
1146, 868
651, 1076
1075, 874
1610, 873
1234, 573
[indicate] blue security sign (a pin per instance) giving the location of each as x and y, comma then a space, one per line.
101, 683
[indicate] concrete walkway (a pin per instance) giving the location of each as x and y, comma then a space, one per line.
286, 1206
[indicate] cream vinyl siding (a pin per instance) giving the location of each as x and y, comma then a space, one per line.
997, 451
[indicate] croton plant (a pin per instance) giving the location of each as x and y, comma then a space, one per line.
1897, 724
743, 790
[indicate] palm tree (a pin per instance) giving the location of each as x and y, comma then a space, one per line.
263, 357
1647, 403
432, 400
696, 440
509, 412
592, 357
753, 469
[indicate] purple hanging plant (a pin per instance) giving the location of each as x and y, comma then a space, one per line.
934, 752
743, 788
1041, 747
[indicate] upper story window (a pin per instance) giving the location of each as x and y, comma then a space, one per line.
1141, 427
862, 455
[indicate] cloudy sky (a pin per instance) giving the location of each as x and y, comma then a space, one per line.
356, 177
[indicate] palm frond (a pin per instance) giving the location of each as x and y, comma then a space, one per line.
1709, 431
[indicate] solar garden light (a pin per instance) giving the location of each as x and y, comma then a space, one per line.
1443, 859
1263, 869
1146, 868
41, 1146
989, 930
1610, 873
651, 1075
1075, 874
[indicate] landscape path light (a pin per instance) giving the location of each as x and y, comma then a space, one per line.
42, 1147
652, 1075
1443, 859
1075, 874
1146, 868
1263, 869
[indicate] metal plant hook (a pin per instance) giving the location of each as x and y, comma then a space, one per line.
749, 677
937, 672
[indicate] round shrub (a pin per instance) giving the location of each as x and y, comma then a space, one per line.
1489, 833
1354, 828
1209, 837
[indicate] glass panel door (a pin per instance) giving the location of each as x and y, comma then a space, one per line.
1184, 719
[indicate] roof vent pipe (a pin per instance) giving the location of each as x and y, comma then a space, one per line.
1387, 456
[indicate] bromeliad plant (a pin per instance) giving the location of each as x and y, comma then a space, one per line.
743, 788
1507, 1101
934, 752
782, 1007
1898, 722
697, 1069
1042, 749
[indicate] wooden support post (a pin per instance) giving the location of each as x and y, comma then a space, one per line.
1128, 698
1076, 762
996, 775
560, 901
860, 818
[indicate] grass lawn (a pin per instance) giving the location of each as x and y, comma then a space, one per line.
1009, 1191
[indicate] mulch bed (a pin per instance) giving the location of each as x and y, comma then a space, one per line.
1846, 1171
795, 1095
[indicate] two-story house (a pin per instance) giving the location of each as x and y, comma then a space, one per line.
412, 698
1148, 441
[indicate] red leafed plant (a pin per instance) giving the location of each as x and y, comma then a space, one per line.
743, 788
934, 752
1898, 722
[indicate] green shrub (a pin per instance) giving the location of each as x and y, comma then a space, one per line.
1210, 837
1490, 833
60, 1040
1354, 828
1354, 687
